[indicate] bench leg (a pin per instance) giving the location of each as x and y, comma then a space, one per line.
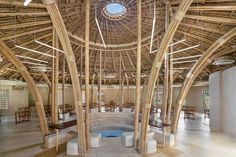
57, 140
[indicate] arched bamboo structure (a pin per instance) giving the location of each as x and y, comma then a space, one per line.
125, 44
31, 84
148, 90
193, 73
70, 58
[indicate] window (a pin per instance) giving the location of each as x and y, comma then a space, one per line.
114, 11
4, 99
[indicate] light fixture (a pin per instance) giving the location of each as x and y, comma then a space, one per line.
153, 27
25, 62
154, 51
25, 57
181, 50
188, 61
181, 68
223, 60
110, 76
27, 2
39, 42
186, 57
178, 42
24, 48
142, 75
100, 32
41, 68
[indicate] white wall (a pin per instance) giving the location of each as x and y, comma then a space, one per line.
20, 98
17, 98
194, 97
223, 101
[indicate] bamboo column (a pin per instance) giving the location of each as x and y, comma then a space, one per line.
122, 92
81, 68
63, 81
91, 95
128, 88
166, 81
52, 88
70, 58
138, 73
55, 70
171, 81
100, 82
87, 18
192, 74
157, 62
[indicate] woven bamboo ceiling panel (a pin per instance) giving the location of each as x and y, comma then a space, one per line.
113, 38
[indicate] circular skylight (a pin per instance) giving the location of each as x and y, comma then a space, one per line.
114, 11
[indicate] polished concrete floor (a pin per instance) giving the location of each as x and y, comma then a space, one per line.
193, 139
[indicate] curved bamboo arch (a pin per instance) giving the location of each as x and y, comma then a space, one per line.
31, 84
70, 58
193, 73
148, 91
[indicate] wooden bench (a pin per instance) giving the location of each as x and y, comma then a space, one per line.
189, 112
22, 114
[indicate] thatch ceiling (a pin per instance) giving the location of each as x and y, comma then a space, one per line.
204, 23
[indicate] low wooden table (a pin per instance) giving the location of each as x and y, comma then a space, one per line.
61, 126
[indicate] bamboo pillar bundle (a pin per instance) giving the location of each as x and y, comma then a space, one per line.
70, 58
166, 81
193, 74
138, 74
148, 92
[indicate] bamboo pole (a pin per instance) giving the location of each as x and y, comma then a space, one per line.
70, 58
52, 86
138, 74
55, 44
63, 81
100, 82
166, 81
87, 18
122, 92
10, 56
194, 72
81, 67
148, 92
171, 79
92, 85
